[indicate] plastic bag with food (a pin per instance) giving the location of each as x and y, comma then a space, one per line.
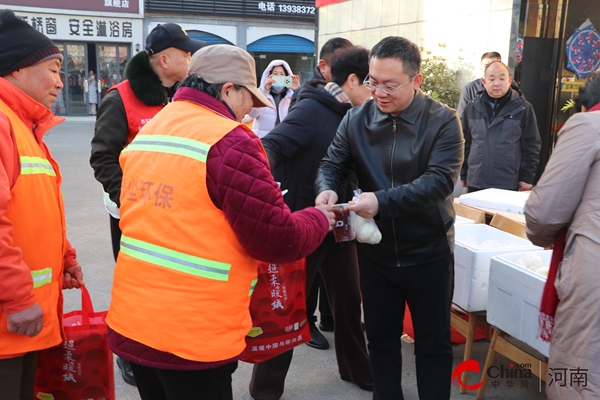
367, 230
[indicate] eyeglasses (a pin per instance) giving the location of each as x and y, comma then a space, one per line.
387, 89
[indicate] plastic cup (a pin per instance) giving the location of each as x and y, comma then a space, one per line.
343, 229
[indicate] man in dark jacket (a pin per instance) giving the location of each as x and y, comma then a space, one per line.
152, 75
502, 142
323, 68
407, 150
323, 72
473, 88
294, 148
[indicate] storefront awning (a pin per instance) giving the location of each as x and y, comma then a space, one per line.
282, 44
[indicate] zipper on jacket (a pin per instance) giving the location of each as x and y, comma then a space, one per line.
392, 185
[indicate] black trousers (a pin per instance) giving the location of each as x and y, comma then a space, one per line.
318, 293
115, 235
17, 377
427, 289
165, 384
339, 269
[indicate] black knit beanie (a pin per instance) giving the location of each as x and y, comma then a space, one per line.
21, 45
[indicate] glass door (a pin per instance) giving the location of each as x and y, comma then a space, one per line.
76, 66
111, 65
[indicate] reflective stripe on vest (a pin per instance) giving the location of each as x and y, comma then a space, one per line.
175, 260
170, 144
41, 277
252, 286
36, 165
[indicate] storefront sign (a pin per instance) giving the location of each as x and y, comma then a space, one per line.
120, 6
270, 6
572, 86
299, 10
86, 28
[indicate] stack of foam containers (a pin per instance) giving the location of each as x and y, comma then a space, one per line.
514, 298
472, 262
496, 199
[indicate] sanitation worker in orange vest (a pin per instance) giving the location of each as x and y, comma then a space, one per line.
198, 206
36, 260
152, 75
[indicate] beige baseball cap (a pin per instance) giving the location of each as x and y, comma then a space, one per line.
222, 63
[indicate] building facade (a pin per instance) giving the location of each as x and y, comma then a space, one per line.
94, 35
266, 29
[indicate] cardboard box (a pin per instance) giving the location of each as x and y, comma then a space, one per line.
507, 224
472, 261
514, 298
469, 212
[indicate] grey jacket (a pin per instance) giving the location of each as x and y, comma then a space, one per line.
504, 151
568, 196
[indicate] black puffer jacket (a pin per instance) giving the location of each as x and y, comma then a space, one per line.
111, 130
411, 163
296, 146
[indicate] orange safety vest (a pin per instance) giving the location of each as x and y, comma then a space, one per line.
36, 212
138, 113
182, 282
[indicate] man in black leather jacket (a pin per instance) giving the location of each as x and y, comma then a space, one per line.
407, 149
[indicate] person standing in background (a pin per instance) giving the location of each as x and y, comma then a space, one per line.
92, 87
502, 142
317, 293
151, 78
36, 259
323, 68
266, 118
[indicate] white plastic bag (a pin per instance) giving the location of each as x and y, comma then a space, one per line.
367, 230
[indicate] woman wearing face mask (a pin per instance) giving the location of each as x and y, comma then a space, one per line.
266, 119
91, 87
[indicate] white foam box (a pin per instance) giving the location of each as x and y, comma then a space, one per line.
514, 298
472, 262
496, 199
462, 220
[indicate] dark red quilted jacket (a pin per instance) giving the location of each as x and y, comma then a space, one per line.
239, 183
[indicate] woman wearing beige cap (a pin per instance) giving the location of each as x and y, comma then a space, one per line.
199, 206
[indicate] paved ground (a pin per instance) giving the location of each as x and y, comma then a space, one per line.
313, 374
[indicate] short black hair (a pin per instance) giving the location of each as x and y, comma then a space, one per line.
589, 93
491, 54
331, 46
401, 49
353, 60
